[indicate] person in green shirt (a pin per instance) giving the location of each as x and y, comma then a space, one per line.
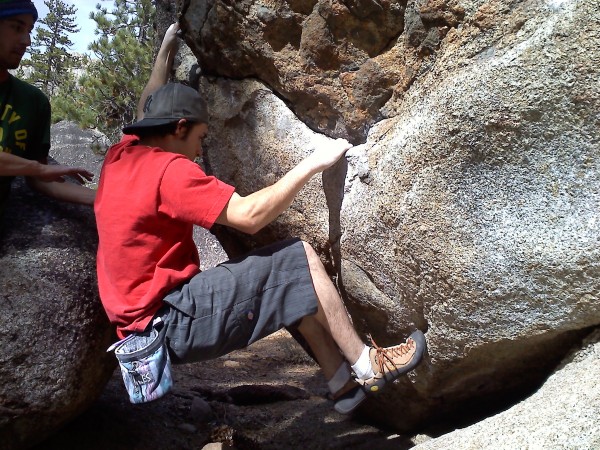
25, 118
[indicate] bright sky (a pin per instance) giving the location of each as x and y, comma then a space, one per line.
86, 25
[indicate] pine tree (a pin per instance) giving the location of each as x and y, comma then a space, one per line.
121, 62
51, 62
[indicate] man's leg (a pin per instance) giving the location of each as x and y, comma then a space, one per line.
330, 329
323, 338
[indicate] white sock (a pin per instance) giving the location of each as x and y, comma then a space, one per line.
363, 368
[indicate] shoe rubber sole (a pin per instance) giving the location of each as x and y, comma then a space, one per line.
348, 402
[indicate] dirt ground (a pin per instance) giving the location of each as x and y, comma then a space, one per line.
268, 396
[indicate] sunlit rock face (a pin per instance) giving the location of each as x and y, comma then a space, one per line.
468, 209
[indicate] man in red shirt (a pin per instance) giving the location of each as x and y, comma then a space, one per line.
150, 195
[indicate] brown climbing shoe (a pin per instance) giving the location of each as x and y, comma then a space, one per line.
389, 363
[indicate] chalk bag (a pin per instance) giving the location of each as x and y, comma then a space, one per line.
145, 365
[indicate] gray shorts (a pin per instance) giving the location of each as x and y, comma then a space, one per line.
234, 304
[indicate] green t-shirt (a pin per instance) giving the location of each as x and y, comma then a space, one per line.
24, 125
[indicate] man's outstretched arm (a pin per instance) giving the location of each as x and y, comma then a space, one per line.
162, 66
49, 179
12, 165
252, 212
64, 191
57, 187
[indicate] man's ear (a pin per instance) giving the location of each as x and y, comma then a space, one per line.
181, 128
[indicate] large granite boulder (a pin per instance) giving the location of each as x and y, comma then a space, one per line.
470, 211
482, 225
53, 330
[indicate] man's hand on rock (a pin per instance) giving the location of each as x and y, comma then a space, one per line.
327, 155
170, 41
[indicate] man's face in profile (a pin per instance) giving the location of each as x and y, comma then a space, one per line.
15, 37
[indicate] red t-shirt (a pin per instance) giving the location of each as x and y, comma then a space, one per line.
147, 202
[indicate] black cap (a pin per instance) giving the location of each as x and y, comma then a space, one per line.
169, 104
9, 8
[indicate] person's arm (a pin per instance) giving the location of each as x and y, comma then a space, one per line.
252, 212
49, 179
12, 165
162, 66
64, 191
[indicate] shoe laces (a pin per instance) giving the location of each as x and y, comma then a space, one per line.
384, 356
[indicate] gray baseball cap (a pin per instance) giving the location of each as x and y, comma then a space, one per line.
169, 104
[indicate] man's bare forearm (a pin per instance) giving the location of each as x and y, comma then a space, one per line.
11, 166
66, 191
251, 213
